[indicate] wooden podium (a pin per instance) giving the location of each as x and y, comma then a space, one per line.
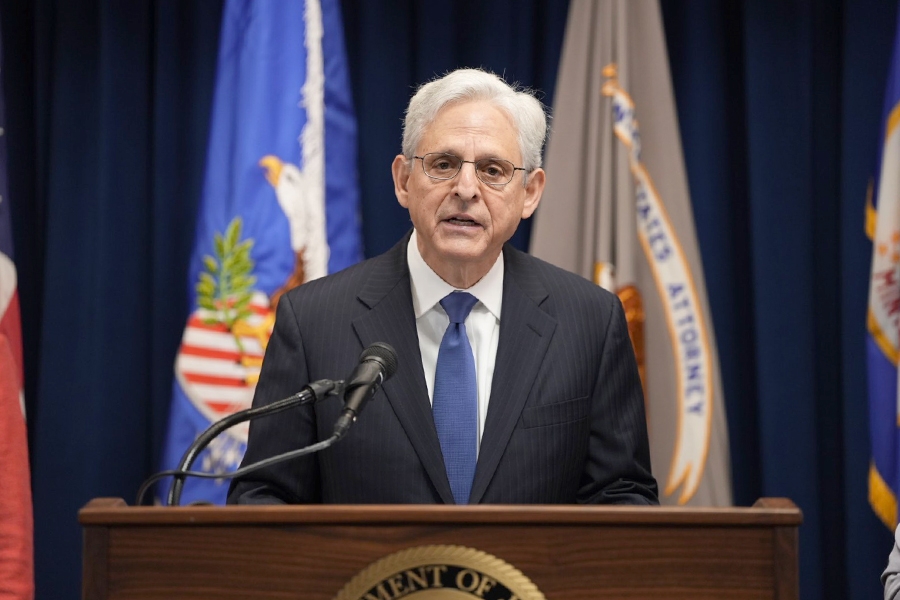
313, 552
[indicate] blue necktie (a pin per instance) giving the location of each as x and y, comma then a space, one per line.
455, 404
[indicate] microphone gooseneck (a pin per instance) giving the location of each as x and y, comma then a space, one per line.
313, 392
377, 364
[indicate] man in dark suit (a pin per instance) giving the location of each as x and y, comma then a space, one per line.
517, 382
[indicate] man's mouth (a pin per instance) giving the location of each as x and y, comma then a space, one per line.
462, 220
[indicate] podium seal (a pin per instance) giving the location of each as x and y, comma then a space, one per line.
440, 573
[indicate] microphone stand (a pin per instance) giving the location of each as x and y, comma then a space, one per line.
313, 392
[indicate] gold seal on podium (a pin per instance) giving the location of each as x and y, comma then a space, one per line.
440, 573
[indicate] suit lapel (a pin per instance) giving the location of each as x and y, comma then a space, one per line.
391, 319
525, 333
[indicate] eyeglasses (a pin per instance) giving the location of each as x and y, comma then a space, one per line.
492, 171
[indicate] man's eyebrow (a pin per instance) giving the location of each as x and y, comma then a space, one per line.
458, 155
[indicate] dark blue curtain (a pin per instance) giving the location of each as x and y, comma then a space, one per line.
779, 102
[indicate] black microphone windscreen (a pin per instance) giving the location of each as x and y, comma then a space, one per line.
385, 354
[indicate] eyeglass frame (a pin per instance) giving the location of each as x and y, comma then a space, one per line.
474, 163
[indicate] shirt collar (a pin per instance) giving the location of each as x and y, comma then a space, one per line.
428, 288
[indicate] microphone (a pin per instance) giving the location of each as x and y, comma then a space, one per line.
377, 364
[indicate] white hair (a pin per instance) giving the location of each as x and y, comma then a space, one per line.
524, 110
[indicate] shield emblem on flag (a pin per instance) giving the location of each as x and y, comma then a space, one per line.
218, 367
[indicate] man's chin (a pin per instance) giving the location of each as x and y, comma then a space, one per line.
457, 253
461, 249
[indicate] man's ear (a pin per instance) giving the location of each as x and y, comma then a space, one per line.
533, 191
400, 169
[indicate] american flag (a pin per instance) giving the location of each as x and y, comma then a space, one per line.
16, 518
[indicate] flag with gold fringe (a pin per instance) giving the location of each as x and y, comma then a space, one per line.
279, 208
883, 337
617, 210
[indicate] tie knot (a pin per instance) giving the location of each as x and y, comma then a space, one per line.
458, 305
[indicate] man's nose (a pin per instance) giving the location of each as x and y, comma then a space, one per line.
467, 180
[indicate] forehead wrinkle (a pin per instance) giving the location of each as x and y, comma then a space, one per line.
483, 130
467, 151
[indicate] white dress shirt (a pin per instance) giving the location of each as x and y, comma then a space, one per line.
482, 324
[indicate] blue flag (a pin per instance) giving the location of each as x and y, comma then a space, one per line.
280, 207
883, 319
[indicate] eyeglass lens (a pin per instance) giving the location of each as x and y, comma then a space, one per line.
493, 171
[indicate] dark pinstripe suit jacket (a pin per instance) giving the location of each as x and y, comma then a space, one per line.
565, 421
